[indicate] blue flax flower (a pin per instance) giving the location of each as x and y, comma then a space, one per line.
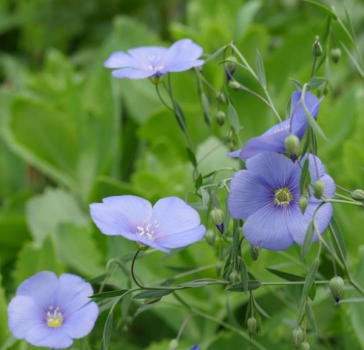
170, 223
273, 139
50, 312
267, 195
154, 61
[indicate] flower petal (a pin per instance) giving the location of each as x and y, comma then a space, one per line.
247, 194
267, 228
131, 73
182, 66
148, 55
120, 59
182, 238
54, 338
174, 215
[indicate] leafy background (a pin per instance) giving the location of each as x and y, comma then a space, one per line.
71, 135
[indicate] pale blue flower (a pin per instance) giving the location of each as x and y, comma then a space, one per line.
154, 61
273, 139
170, 223
50, 312
266, 195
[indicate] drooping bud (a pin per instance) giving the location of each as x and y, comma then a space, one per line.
305, 346
298, 336
335, 54
220, 118
218, 217
316, 47
210, 237
252, 326
234, 85
318, 188
254, 252
220, 97
358, 195
230, 67
234, 277
336, 287
292, 144
173, 345
303, 203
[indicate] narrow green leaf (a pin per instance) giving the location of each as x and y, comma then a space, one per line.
305, 178
206, 108
180, 116
244, 275
194, 284
107, 295
260, 70
323, 9
215, 54
107, 331
261, 311
315, 82
296, 83
353, 59
238, 287
307, 242
311, 317
310, 279
285, 275
338, 240
147, 294
205, 197
198, 182
233, 118
191, 156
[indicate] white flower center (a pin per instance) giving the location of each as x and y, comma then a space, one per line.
54, 317
154, 62
147, 229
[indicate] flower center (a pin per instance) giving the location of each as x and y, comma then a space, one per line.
54, 317
147, 229
154, 62
282, 196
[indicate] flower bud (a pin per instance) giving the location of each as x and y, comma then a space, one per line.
210, 237
358, 195
305, 346
234, 84
335, 54
252, 325
220, 97
292, 144
336, 287
230, 67
298, 337
318, 188
254, 252
303, 203
173, 345
220, 118
218, 217
234, 277
316, 47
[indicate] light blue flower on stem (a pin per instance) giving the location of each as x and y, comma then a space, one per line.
50, 312
170, 223
154, 61
266, 195
273, 139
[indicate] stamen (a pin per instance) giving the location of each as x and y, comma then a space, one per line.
147, 229
282, 196
54, 318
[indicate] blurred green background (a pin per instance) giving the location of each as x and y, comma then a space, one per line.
71, 135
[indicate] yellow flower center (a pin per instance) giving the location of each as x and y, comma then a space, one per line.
282, 196
54, 317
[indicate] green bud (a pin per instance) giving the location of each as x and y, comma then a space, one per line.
173, 345
230, 67
336, 287
254, 252
303, 203
358, 195
335, 54
218, 217
234, 84
318, 188
316, 47
298, 337
305, 346
252, 326
220, 118
210, 237
292, 144
234, 277
220, 97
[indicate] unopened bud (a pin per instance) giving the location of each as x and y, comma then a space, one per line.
254, 252
230, 67
220, 97
303, 203
298, 337
336, 287
358, 195
292, 144
210, 237
218, 217
234, 84
234, 277
316, 47
252, 325
335, 54
318, 188
220, 118
173, 345
305, 346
